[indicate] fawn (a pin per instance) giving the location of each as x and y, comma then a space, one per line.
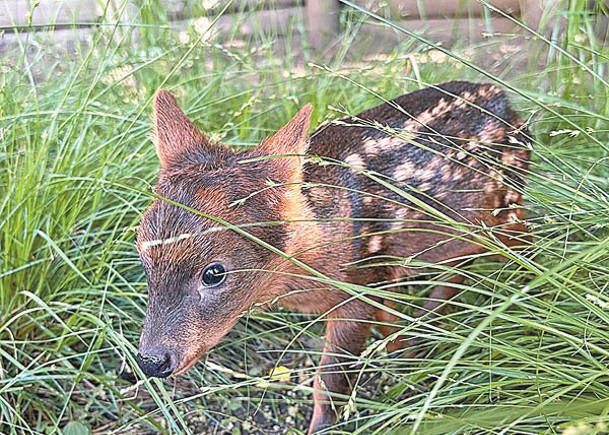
456, 149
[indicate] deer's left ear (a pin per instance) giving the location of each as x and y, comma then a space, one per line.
176, 137
289, 144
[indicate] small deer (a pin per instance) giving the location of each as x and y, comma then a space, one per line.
435, 175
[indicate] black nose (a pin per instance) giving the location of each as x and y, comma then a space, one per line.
156, 365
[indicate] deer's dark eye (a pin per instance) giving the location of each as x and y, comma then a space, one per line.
214, 275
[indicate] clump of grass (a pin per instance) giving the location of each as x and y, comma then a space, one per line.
524, 348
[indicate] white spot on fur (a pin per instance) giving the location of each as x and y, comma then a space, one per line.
512, 197
492, 133
494, 181
375, 244
471, 146
441, 108
489, 92
441, 195
403, 214
371, 147
356, 161
467, 95
404, 171
426, 174
430, 114
375, 146
510, 159
429, 172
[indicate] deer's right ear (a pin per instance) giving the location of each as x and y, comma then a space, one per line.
175, 136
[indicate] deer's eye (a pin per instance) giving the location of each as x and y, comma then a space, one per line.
214, 274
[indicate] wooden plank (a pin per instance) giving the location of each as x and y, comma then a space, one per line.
71, 40
18, 12
424, 9
64, 12
248, 24
322, 21
184, 9
436, 30
534, 10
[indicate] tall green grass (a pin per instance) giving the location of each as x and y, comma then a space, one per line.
523, 349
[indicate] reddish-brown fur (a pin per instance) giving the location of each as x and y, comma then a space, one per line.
457, 151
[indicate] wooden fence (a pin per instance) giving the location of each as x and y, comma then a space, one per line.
439, 20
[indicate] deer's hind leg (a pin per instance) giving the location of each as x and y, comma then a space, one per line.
436, 304
384, 317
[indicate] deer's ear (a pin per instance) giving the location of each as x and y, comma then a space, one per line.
289, 144
175, 136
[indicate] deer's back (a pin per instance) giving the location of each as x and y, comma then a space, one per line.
455, 152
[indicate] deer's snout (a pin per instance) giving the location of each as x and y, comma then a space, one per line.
158, 362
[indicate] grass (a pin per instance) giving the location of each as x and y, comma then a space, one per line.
522, 350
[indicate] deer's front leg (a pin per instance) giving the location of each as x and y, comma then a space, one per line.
346, 335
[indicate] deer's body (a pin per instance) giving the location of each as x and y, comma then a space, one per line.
418, 177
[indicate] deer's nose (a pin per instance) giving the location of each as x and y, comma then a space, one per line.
158, 363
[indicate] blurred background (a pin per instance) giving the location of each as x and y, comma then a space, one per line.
293, 25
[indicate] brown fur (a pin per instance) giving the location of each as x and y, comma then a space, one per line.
457, 151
